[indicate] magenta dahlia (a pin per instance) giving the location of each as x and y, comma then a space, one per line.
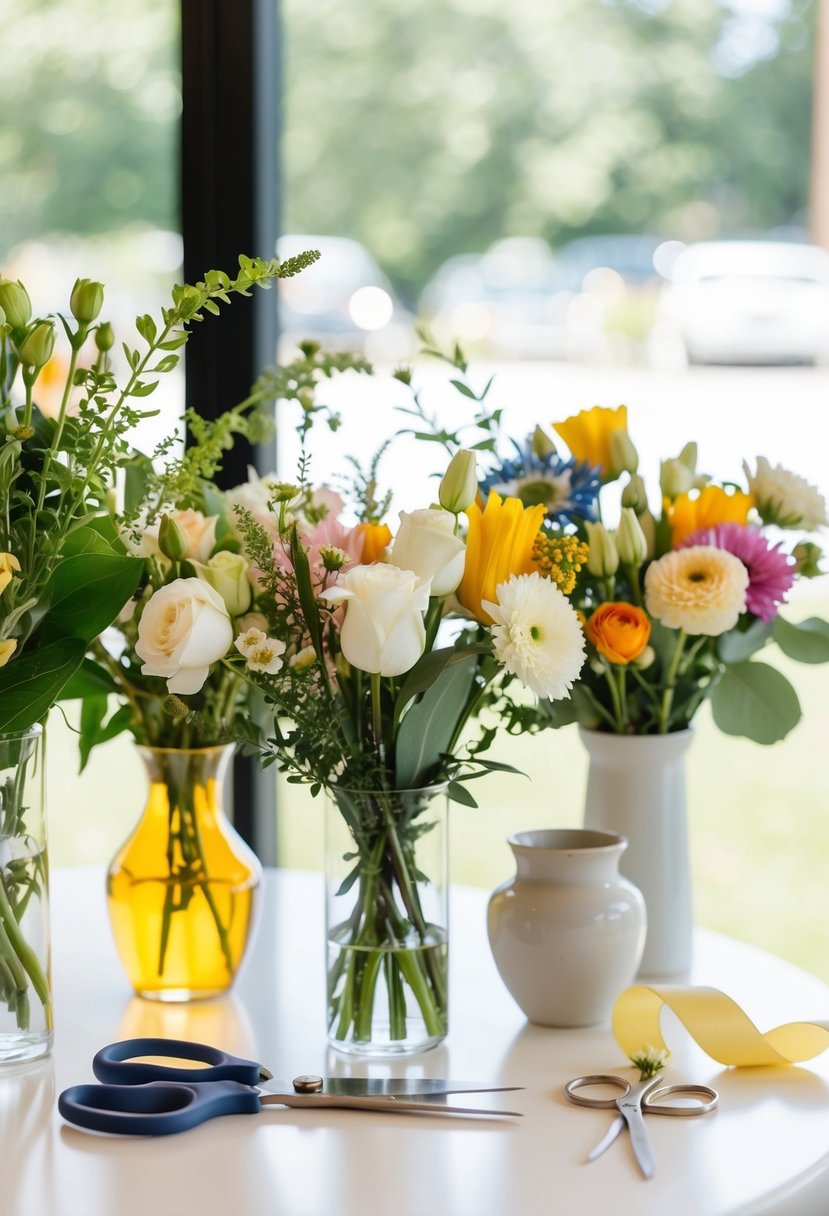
770, 570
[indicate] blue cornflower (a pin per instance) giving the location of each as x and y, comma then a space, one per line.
569, 489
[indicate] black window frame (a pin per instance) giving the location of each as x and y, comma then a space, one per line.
229, 175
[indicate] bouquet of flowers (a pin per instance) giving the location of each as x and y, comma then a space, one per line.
680, 596
375, 649
65, 573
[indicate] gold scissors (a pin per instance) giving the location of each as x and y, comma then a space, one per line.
644, 1097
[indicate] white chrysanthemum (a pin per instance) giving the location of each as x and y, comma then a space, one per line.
536, 634
785, 498
266, 657
248, 641
701, 590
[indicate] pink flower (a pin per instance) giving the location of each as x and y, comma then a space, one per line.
770, 571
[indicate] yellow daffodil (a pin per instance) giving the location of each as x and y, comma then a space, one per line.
689, 513
376, 538
587, 435
499, 543
9, 566
7, 649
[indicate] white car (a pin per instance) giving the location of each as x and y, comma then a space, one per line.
750, 302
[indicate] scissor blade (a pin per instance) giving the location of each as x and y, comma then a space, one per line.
400, 1087
606, 1140
388, 1104
638, 1137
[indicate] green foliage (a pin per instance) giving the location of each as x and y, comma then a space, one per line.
755, 700
429, 728
806, 641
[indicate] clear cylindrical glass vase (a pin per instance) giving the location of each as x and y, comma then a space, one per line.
387, 919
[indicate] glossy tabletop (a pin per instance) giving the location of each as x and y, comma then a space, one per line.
765, 1151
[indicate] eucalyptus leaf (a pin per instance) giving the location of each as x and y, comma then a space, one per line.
755, 701
805, 641
740, 644
426, 671
428, 728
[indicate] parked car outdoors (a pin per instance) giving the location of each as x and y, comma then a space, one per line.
344, 301
753, 302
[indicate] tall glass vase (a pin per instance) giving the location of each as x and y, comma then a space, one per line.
182, 890
25, 988
386, 919
636, 786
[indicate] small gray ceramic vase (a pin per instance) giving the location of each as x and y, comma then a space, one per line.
567, 932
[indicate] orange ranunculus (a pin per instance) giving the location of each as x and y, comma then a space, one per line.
691, 512
499, 544
587, 434
375, 539
619, 631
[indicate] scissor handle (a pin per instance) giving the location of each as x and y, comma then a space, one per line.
158, 1108
117, 1064
578, 1083
709, 1100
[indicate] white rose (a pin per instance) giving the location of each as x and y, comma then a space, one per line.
426, 544
183, 629
227, 573
383, 629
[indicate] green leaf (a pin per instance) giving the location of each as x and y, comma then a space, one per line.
459, 793
88, 681
139, 472
93, 728
806, 641
310, 610
98, 536
427, 669
754, 700
427, 730
464, 389
86, 593
30, 685
741, 644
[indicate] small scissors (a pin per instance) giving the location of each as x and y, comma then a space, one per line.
634, 1103
142, 1099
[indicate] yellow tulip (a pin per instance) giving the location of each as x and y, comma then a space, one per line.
9, 566
376, 538
587, 435
711, 506
499, 544
7, 649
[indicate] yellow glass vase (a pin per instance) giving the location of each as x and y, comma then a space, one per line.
182, 890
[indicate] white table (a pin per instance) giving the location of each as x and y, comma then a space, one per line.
765, 1150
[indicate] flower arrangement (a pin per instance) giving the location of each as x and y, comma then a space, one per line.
678, 600
375, 648
65, 573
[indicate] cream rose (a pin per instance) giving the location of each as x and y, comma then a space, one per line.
198, 532
227, 573
184, 628
426, 544
383, 629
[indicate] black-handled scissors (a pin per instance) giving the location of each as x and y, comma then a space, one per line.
646, 1097
138, 1098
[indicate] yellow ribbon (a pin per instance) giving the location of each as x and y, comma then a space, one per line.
719, 1025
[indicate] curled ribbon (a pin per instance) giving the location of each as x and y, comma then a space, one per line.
719, 1025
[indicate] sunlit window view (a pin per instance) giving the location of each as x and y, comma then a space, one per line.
602, 204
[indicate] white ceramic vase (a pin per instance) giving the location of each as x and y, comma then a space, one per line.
636, 786
567, 931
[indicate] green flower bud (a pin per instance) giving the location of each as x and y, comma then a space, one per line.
403, 374
603, 558
459, 487
175, 707
807, 558
283, 491
688, 456
645, 659
86, 300
171, 540
305, 397
631, 542
309, 348
635, 495
623, 455
227, 573
675, 478
648, 525
332, 557
15, 302
542, 444
104, 337
38, 345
